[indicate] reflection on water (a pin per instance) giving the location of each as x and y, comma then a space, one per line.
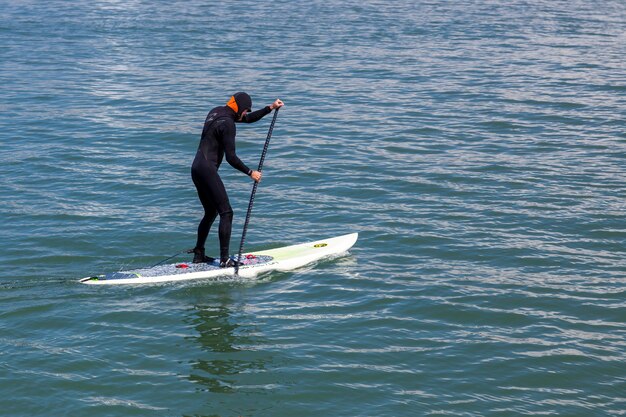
224, 342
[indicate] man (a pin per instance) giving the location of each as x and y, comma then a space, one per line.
218, 139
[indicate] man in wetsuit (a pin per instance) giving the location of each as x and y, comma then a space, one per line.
218, 139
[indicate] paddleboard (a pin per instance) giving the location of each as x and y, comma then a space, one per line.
280, 259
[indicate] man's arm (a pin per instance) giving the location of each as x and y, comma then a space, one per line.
256, 115
228, 141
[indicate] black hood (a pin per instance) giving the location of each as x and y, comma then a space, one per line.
239, 102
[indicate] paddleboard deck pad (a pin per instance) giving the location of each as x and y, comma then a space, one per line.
280, 259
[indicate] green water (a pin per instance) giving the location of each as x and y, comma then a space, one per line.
478, 148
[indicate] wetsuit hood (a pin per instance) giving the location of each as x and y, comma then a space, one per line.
239, 102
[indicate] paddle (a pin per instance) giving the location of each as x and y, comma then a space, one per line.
254, 187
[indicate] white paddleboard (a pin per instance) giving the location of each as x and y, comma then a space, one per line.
280, 259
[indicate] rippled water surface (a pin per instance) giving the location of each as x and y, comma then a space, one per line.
479, 148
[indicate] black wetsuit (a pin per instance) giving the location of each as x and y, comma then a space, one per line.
218, 139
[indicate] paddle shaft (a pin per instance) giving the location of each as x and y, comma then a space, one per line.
254, 188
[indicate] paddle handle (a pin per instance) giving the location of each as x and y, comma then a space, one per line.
254, 188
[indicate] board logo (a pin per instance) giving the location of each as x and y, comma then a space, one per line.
320, 245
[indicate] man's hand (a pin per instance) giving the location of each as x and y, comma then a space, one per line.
277, 104
256, 176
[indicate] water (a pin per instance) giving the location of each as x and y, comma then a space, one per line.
478, 147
